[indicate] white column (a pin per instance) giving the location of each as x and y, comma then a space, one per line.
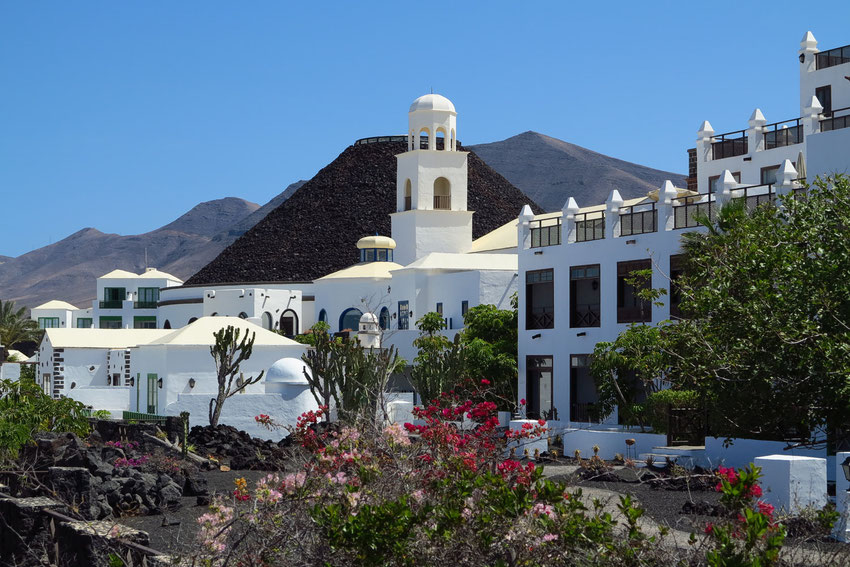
811, 116
725, 188
612, 214
755, 133
568, 221
785, 178
666, 194
524, 228
704, 137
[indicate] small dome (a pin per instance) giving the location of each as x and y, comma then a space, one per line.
432, 102
287, 371
376, 242
368, 318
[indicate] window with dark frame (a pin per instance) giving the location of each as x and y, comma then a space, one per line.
464, 307
824, 96
540, 299
440, 308
768, 175
538, 387
584, 296
583, 394
631, 308
403, 315
714, 181
677, 269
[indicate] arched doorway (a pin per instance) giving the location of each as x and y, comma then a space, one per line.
323, 316
167, 324
384, 319
350, 319
289, 323
267, 321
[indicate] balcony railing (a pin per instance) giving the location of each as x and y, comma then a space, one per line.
729, 145
833, 57
590, 226
144, 304
585, 316
781, 134
583, 412
541, 318
685, 209
638, 219
756, 195
836, 122
442, 202
545, 232
111, 304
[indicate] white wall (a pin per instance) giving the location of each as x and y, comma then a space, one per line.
829, 153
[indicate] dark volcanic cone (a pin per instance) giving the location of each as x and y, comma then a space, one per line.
313, 233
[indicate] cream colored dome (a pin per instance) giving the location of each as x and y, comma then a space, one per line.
287, 371
368, 318
376, 242
432, 102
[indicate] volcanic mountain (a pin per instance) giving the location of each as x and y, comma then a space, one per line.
550, 171
313, 233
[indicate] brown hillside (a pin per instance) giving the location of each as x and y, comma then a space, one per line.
313, 233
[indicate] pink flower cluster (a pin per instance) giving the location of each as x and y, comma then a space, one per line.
129, 445
397, 435
131, 462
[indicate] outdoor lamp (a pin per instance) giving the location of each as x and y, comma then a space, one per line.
191, 382
845, 466
159, 382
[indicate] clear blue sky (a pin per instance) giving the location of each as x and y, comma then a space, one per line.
124, 115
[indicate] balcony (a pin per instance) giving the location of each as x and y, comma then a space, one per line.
638, 219
833, 57
590, 226
686, 210
836, 122
781, 134
545, 232
442, 202
756, 195
144, 304
730, 144
111, 304
541, 318
585, 316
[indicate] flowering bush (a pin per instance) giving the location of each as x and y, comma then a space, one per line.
131, 461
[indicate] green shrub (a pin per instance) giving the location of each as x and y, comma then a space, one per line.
654, 408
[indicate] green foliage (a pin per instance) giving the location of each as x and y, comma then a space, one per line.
654, 409
309, 338
26, 410
440, 363
28, 372
229, 352
490, 338
15, 326
101, 414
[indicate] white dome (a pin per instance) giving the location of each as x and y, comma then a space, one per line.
376, 242
432, 102
287, 371
368, 318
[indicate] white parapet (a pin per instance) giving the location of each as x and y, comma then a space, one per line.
530, 446
791, 483
400, 411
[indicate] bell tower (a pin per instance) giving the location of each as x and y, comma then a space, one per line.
431, 178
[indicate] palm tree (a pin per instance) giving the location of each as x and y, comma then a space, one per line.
15, 326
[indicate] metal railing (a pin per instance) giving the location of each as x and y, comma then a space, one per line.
377, 139
780, 134
545, 232
832, 57
836, 122
756, 195
442, 202
143, 417
590, 226
638, 219
729, 144
111, 304
541, 318
585, 316
583, 412
144, 304
688, 208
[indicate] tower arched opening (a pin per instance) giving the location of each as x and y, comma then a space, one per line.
442, 194
408, 195
424, 140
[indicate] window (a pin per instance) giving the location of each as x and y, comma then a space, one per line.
768, 175
323, 316
289, 323
115, 380
584, 296
113, 297
144, 322
440, 308
48, 322
384, 319
538, 387
167, 324
677, 268
540, 299
464, 307
630, 307
403, 315
583, 394
153, 394
267, 321
407, 195
824, 95
714, 181
148, 298
442, 194
84, 323
111, 322
350, 319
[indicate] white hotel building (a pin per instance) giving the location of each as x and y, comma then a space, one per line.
572, 263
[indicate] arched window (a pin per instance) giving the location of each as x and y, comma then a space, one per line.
442, 194
289, 323
192, 320
167, 324
267, 321
384, 319
440, 143
350, 319
408, 199
424, 140
323, 316
243, 315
